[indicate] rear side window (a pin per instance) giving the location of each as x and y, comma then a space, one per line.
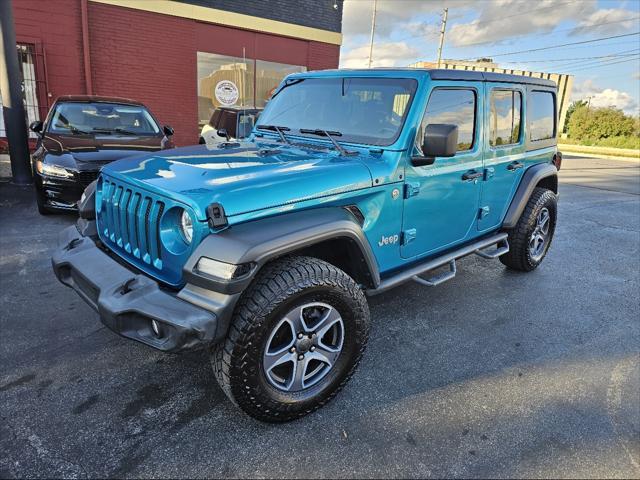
541, 115
504, 121
455, 107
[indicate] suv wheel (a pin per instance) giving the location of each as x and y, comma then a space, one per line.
531, 238
296, 338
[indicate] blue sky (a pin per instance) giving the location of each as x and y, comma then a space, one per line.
407, 31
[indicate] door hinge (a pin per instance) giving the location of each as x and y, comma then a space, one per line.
408, 236
489, 172
484, 211
411, 189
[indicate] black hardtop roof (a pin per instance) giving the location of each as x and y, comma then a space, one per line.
446, 74
443, 74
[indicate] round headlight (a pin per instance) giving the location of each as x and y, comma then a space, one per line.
186, 226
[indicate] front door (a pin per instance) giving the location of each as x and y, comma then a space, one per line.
441, 200
505, 152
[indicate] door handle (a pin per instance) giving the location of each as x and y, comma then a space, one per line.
471, 175
513, 166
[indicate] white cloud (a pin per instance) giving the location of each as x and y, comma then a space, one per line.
391, 15
494, 21
610, 21
390, 54
605, 97
544, 17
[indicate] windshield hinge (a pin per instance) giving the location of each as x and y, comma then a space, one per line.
411, 189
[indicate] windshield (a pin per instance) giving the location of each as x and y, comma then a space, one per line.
111, 118
361, 110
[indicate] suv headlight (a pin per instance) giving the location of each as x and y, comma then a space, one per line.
53, 170
186, 226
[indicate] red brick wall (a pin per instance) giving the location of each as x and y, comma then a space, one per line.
150, 58
146, 56
56, 25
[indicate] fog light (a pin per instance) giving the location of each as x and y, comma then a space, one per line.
156, 328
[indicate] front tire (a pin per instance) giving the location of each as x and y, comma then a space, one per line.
296, 338
531, 238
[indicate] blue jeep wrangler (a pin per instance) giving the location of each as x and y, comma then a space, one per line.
352, 182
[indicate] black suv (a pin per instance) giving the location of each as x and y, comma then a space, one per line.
81, 134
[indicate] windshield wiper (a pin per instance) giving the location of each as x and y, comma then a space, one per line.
112, 130
102, 130
275, 128
124, 131
329, 134
77, 131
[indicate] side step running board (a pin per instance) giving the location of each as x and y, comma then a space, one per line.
414, 273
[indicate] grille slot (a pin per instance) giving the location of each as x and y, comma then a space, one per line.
130, 221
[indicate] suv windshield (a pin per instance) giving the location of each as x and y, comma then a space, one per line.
363, 110
111, 118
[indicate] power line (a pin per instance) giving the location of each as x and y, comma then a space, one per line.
577, 58
557, 46
579, 27
605, 64
580, 63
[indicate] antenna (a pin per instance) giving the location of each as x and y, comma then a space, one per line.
373, 29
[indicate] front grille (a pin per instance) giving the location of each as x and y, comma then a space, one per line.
129, 220
86, 177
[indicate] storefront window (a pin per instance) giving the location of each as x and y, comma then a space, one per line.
268, 77
223, 81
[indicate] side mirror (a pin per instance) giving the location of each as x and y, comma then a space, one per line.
168, 131
36, 126
222, 132
440, 140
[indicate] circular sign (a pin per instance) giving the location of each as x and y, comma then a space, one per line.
226, 92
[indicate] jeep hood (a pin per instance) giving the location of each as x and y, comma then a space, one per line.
250, 177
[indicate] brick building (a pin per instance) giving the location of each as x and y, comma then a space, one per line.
171, 55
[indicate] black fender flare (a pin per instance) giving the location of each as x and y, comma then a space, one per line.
260, 241
530, 179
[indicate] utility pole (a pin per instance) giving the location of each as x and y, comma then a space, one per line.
12, 101
442, 28
373, 29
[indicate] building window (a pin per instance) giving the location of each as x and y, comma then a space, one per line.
504, 123
453, 107
268, 77
26, 63
541, 115
223, 81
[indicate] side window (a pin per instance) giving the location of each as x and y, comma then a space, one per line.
541, 115
455, 107
504, 120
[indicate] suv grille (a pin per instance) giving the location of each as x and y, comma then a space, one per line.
129, 220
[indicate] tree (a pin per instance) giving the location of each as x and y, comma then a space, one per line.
597, 123
570, 110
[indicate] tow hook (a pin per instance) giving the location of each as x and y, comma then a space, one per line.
126, 286
73, 244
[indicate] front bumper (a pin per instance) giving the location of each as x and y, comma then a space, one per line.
59, 193
128, 301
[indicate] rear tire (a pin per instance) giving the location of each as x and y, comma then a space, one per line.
531, 238
296, 338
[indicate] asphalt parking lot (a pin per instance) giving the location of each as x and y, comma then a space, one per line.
493, 374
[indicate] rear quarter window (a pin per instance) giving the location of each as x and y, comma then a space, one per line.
541, 115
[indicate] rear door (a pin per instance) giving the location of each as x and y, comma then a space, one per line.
504, 159
441, 206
